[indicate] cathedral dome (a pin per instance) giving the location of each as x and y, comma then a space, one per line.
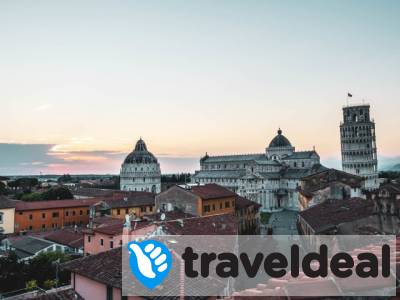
280, 141
140, 155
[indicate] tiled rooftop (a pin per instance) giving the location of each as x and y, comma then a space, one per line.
335, 212
211, 191
66, 237
36, 205
242, 202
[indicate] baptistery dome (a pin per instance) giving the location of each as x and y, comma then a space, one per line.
140, 154
140, 170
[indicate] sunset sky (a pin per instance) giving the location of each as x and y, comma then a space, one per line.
81, 81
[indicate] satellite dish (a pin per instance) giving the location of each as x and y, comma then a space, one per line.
162, 217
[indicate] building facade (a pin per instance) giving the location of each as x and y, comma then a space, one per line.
270, 178
140, 171
7, 215
358, 144
198, 200
44, 215
135, 204
330, 184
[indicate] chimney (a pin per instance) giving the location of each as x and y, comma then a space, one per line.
126, 231
180, 222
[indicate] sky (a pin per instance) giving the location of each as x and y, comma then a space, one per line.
82, 81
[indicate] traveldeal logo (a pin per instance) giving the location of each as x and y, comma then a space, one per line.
150, 262
222, 265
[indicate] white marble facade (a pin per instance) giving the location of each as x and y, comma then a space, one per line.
140, 171
270, 178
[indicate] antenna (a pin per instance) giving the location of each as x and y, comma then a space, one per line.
162, 217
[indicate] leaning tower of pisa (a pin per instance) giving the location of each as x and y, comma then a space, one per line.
358, 143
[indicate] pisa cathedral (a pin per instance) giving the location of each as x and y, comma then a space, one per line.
270, 178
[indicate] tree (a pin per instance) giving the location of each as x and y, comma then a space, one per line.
42, 268
32, 197
31, 285
12, 273
49, 284
57, 193
3, 190
64, 178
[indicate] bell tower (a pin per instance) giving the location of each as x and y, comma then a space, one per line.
358, 144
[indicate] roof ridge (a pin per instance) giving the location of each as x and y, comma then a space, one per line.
245, 154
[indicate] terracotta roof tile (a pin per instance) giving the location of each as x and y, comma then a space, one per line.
66, 237
36, 205
211, 191
335, 212
223, 224
242, 202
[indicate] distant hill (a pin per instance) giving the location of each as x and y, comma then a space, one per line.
387, 163
395, 168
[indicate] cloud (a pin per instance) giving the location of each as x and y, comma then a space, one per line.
25, 159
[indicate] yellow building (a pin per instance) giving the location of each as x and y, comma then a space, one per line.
134, 204
7, 215
198, 200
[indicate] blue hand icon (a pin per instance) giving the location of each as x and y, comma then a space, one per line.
150, 262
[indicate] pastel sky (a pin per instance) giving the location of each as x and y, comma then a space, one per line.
81, 81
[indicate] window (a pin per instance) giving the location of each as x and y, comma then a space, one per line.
151, 208
227, 204
89, 238
55, 214
30, 227
66, 213
87, 212
101, 242
120, 242
81, 212
118, 211
43, 226
206, 208
73, 213
1, 218
30, 217
109, 292
111, 244
43, 216
127, 211
220, 205
142, 209
213, 206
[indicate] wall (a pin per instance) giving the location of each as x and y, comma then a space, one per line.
180, 198
141, 177
93, 290
94, 246
7, 220
66, 217
382, 223
249, 220
218, 206
137, 211
89, 289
